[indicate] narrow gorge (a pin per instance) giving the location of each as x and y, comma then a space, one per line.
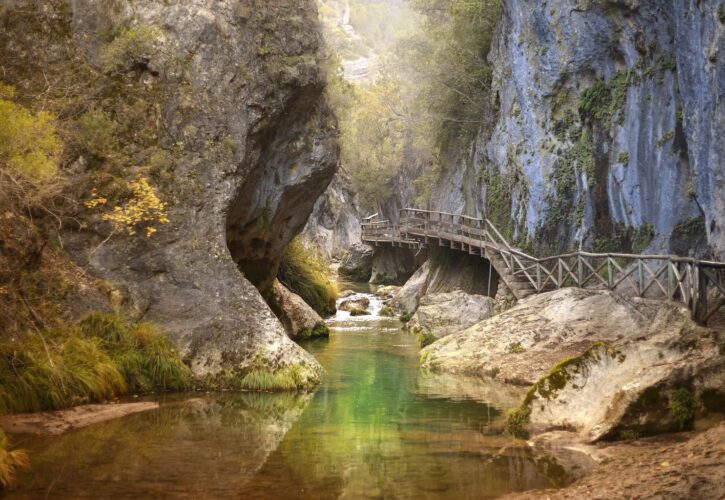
362, 248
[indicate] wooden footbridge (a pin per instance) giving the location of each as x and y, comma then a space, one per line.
698, 284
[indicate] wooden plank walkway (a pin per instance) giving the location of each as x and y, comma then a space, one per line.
698, 284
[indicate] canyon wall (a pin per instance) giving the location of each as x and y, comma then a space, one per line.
606, 132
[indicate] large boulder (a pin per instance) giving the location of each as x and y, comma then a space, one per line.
357, 264
599, 364
441, 314
406, 300
521, 344
297, 317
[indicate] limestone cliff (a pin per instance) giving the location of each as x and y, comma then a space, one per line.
606, 136
222, 107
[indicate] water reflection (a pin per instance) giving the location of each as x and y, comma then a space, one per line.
377, 427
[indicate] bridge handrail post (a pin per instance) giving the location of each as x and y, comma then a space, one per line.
579, 270
610, 277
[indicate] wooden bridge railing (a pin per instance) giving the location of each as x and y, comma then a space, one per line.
698, 284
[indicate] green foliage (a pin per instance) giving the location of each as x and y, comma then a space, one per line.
426, 339
629, 434
97, 359
130, 46
29, 146
319, 330
288, 378
305, 272
97, 132
515, 348
405, 317
387, 312
623, 238
682, 407
623, 158
516, 421
10, 461
604, 100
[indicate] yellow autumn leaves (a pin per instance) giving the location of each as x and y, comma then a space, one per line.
143, 211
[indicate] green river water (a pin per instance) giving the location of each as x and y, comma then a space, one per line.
376, 428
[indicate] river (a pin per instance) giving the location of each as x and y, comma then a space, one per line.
377, 427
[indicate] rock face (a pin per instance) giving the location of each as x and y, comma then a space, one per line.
601, 364
298, 318
607, 129
356, 305
334, 225
357, 263
250, 143
446, 271
441, 314
392, 266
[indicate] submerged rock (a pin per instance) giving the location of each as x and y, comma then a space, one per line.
297, 317
441, 314
356, 305
387, 292
357, 264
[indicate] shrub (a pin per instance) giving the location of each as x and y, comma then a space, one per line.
97, 132
426, 339
131, 46
29, 146
405, 317
306, 273
10, 461
682, 407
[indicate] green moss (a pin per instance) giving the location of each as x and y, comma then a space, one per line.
423, 357
682, 407
10, 461
516, 421
405, 317
721, 13
623, 238
666, 137
623, 158
515, 348
319, 330
387, 311
305, 272
426, 339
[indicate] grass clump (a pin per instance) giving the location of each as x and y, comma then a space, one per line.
98, 358
425, 339
10, 461
516, 421
387, 312
288, 378
682, 407
306, 273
